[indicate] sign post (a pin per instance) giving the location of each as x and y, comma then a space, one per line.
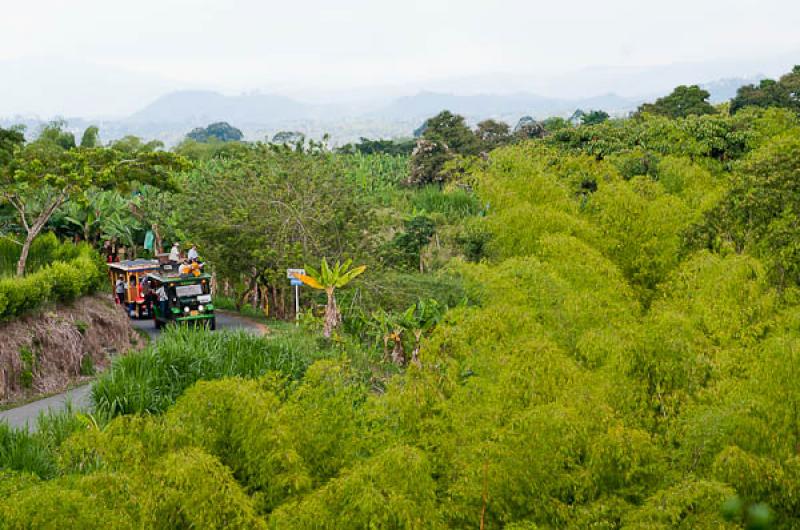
296, 283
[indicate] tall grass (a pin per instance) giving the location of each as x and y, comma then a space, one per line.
378, 175
454, 204
151, 380
36, 451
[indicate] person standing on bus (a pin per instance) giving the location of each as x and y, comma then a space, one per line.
175, 253
163, 300
119, 289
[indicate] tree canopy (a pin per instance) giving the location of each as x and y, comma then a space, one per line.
221, 131
47, 172
682, 102
784, 93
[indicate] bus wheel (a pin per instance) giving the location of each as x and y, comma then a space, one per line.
212, 325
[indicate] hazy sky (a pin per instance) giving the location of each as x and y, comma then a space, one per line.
234, 45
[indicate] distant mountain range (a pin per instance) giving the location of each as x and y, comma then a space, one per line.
171, 116
426, 104
725, 89
200, 107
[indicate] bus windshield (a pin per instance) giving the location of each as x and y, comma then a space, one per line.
188, 291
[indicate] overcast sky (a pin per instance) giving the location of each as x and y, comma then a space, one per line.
239, 45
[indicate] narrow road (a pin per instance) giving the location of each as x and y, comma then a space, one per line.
80, 397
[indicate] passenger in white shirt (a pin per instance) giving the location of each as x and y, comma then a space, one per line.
175, 253
193, 253
163, 299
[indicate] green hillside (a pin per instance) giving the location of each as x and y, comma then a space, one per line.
567, 326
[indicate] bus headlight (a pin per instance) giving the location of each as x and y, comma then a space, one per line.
186, 309
200, 308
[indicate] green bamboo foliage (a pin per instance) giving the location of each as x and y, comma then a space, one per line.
627, 356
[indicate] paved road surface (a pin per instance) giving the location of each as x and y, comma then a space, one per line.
80, 397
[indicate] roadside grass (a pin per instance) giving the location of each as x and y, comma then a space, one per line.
36, 452
142, 335
38, 397
276, 327
227, 303
151, 380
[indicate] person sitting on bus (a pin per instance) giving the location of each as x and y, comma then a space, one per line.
185, 268
193, 255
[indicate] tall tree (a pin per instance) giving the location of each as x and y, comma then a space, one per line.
770, 93
451, 130
492, 134
759, 212
91, 137
683, 101
54, 133
221, 131
527, 128
593, 117
445, 136
133, 144
10, 140
292, 138
270, 208
44, 175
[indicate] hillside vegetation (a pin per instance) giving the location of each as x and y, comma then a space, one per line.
603, 320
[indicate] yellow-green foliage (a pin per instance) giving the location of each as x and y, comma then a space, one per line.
60, 281
687, 505
183, 489
394, 489
607, 373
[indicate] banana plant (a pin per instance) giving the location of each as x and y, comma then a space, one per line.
404, 331
389, 329
328, 279
420, 319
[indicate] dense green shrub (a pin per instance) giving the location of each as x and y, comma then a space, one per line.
393, 490
44, 250
60, 281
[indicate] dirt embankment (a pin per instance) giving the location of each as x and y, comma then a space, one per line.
45, 352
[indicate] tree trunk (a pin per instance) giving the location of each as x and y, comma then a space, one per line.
275, 306
265, 300
23, 256
398, 354
157, 248
331, 314
415, 352
240, 301
282, 301
34, 229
